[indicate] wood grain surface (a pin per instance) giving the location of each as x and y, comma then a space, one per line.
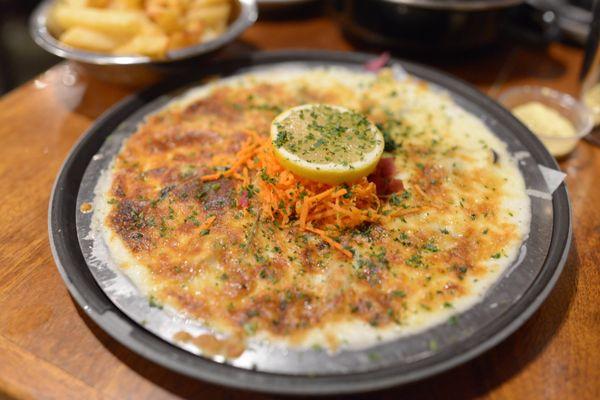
50, 349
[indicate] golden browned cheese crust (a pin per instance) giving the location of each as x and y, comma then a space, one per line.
243, 274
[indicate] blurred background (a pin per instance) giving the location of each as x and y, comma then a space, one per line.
531, 22
20, 58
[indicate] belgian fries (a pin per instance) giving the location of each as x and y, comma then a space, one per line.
89, 39
138, 27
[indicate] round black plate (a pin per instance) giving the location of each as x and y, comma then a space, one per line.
538, 267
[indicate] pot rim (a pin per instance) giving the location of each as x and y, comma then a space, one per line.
457, 5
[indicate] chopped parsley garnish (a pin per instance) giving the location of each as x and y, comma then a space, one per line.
193, 218
321, 133
164, 192
415, 261
282, 138
265, 177
163, 229
391, 130
250, 328
395, 200
152, 302
431, 247
250, 190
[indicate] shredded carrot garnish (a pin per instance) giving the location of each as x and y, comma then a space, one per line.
421, 192
329, 240
211, 177
207, 224
287, 198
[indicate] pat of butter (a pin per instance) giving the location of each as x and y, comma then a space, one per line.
556, 131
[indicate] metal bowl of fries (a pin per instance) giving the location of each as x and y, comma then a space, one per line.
135, 42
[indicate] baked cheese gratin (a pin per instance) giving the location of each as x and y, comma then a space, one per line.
199, 211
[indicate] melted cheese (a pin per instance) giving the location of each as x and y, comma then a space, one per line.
464, 213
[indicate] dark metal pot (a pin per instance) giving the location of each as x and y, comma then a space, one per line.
441, 25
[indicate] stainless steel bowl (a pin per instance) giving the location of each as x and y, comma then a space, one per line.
139, 70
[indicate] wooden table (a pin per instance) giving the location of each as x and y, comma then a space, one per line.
50, 349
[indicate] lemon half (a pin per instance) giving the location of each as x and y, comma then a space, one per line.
326, 143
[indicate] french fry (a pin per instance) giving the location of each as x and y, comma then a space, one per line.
210, 15
144, 27
204, 3
88, 39
114, 22
127, 4
168, 20
178, 6
181, 40
147, 45
86, 3
150, 28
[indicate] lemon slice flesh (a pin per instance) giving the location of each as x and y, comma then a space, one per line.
326, 143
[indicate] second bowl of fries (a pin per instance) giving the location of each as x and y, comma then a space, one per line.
147, 34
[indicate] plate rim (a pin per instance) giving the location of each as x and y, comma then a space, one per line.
125, 331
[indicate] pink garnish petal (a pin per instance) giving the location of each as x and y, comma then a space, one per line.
376, 64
